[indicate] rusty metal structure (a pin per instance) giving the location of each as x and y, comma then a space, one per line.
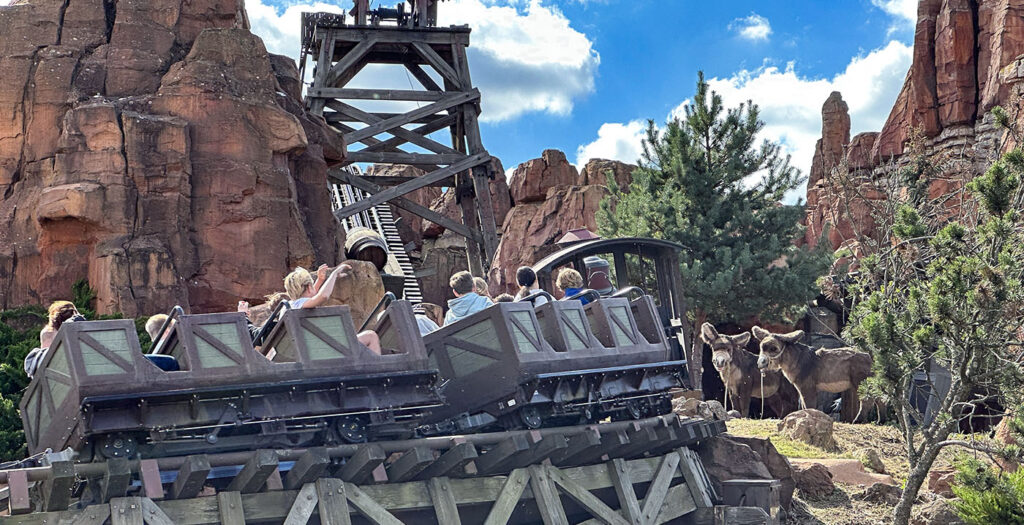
410, 120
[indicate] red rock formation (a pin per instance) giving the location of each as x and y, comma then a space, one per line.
410, 225
155, 148
532, 179
501, 202
596, 172
835, 135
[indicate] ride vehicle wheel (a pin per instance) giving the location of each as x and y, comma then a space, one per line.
351, 430
110, 446
530, 417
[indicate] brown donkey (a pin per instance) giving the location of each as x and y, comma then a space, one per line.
738, 369
826, 370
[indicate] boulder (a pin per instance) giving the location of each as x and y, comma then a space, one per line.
361, 290
936, 512
687, 406
870, 458
596, 171
778, 465
717, 410
532, 179
940, 481
811, 426
847, 471
814, 481
733, 414
880, 494
725, 459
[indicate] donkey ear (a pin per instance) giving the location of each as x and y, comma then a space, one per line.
741, 339
759, 333
791, 337
708, 332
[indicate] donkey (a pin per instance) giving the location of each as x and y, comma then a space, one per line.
826, 370
738, 369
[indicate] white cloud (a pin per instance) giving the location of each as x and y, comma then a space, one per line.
903, 9
524, 55
790, 104
614, 141
754, 27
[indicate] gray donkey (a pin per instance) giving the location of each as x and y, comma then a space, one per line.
743, 381
825, 370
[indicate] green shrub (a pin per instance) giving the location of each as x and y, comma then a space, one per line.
987, 496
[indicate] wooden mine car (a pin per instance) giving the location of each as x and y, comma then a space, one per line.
97, 393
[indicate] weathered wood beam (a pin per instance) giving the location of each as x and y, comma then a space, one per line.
401, 157
116, 479
544, 492
422, 77
332, 503
126, 511
229, 508
308, 468
374, 94
446, 101
445, 507
435, 125
413, 185
18, 501
443, 68
623, 483
358, 468
348, 61
506, 500
255, 472
399, 132
333, 117
412, 462
56, 490
448, 35
585, 498
302, 507
190, 478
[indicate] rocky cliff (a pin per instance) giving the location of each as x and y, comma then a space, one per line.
965, 62
155, 148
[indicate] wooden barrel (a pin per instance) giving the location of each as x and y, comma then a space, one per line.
364, 244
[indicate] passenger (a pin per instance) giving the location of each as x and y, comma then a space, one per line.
527, 280
303, 293
504, 298
61, 312
571, 283
35, 356
467, 302
153, 325
423, 321
433, 312
480, 286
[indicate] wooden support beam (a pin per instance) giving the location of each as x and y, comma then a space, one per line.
374, 94
508, 497
451, 35
413, 185
414, 159
332, 503
624, 491
117, 477
722, 515
370, 509
92, 515
191, 477
610, 442
585, 498
444, 102
641, 439
577, 444
453, 461
441, 494
149, 474
126, 511
152, 514
309, 467
255, 472
497, 458
302, 507
338, 116
436, 124
18, 501
658, 489
700, 488
542, 449
400, 133
56, 490
422, 76
443, 68
338, 70
358, 468
323, 62
229, 508
409, 464
548, 502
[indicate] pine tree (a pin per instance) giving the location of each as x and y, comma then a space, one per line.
705, 183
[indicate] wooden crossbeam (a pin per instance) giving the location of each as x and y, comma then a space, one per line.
56, 490
347, 62
229, 508
18, 501
337, 116
360, 466
548, 502
369, 508
411, 463
374, 94
658, 490
308, 468
624, 490
444, 102
699, 488
399, 132
126, 511
507, 498
446, 71
149, 474
117, 477
445, 508
453, 461
332, 503
585, 498
401, 157
499, 457
437, 124
413, 185
190, 478
302, 507
255, 472
422, 76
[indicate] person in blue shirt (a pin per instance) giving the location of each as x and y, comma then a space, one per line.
467, 302
571, 283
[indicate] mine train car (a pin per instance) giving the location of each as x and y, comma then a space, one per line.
514, 365
97, 393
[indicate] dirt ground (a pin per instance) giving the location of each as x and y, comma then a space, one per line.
841, 507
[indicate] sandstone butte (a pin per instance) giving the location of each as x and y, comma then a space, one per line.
966, 60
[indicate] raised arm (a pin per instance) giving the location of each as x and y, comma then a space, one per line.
327, 289
321, 277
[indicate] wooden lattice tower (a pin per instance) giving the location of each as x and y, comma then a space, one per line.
436, 58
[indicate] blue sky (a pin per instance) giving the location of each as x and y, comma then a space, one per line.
583, 76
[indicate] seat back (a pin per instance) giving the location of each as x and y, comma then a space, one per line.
565, 327
648, 321
213, 345
612, 322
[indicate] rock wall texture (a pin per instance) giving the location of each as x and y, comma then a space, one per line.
155, 148
966, 61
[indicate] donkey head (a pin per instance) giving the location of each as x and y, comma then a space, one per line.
722, 346
773, 345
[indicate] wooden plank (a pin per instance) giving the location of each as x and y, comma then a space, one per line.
191, 477
431, 126
495, 459
678, 503
126, 511
404, 135
409, 464
347, 62
310, 465
445, 508
153, 514
116, 479
359, 467
577, 445
610, 442
422, 76
374, 94
624, 490
149, 474
641, 439
274, 482
698, 489
398, 157
549, 445
585, 498
658, 489
447, 101
255, 472
18, 501
302, 507
443, 68
413, 185
368, 508
332, 503
92, 515
448, 35
323, 63
548, 502
507, 499
451, 461
229, 506
56, 489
